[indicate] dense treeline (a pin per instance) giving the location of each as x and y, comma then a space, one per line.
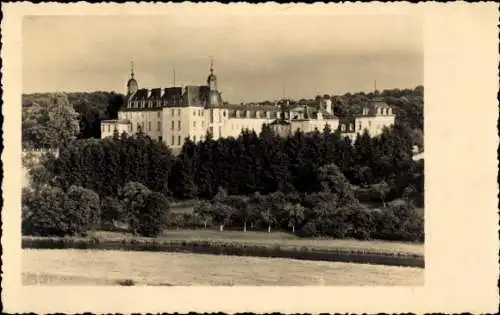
252, 163
83, 113
302, 182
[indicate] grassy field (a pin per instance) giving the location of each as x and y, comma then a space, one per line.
276, 238
88, 267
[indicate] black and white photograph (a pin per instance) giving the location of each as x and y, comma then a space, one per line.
227, 151
208, 146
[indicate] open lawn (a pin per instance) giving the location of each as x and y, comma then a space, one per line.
277, 238
95, 267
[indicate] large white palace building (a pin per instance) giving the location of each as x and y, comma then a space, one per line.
175, 113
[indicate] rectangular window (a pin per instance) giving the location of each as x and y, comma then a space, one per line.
160, 138
178, 112
194, 124
172, 112
202, 124
173, 125
179, 125
149, 125
178, 140
158, 114
199, 112
220, 131
194, 112
211, 130
173, 140
211, 115
158, 126
369, 123
194, 138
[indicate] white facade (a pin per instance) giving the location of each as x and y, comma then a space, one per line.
108, 127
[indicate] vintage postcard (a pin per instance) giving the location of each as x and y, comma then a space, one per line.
249, 157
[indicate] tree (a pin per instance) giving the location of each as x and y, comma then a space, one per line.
242, 210
295, 214
182, 179
202, 210
221, 213
332, 180
43, 213
82, 210
50, 122
152, 218
383, 189
112, 211
50, 211
133, 196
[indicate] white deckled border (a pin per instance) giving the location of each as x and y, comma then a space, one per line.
461, 59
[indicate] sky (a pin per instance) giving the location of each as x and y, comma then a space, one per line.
256, 56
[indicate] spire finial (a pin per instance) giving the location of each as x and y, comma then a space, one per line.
132, 69
375, 86
211, 65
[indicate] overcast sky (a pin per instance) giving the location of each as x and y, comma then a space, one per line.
256, 56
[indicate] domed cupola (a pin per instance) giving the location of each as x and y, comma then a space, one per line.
132, 85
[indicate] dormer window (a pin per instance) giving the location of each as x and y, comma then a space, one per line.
342, 127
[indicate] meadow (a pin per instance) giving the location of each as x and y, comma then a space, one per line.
282, 239
95, 267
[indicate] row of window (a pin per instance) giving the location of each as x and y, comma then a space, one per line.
127, 115
343, 127
155, 103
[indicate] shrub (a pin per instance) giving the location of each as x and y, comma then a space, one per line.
49, 211
399, 222
308, 230
134, 195
43, 213
112, 210
153, 215
82, 209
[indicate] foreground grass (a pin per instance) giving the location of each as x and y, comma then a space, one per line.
89, 267
258, 244
274, 239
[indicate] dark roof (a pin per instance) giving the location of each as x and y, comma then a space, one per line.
263, 109
174, 96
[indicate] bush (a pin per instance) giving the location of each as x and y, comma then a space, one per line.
153, 215
43, 213
308, 230
51, 212
133, 196
112, 210
82, 208
399, 222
